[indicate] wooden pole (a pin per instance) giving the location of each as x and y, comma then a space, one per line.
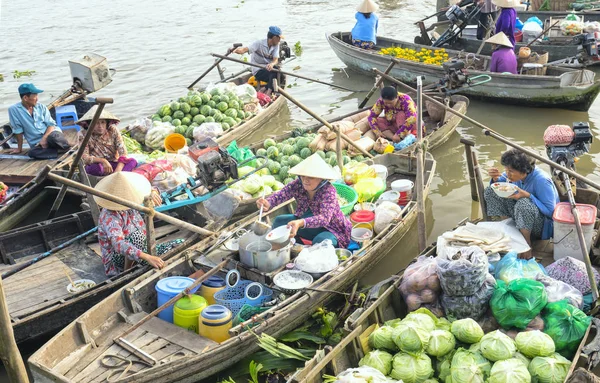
150, 234
131, 205
324, 122
9, 353
338, 148
100, 101
421, 224
489, 132
376, 86
480, 188
215, 64
468, 144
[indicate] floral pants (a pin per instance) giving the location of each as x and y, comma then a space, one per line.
363, 44
526, 215
138, 239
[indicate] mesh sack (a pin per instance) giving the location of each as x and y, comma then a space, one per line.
470, 306
463, 273
558, 135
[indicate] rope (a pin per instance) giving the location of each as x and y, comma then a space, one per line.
126, 364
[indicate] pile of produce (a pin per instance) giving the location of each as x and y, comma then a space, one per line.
423, 55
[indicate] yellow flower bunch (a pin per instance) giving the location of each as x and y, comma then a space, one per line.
426, 56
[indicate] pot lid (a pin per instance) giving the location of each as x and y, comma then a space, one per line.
173, 285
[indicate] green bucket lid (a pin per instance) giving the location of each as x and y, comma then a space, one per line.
191, 302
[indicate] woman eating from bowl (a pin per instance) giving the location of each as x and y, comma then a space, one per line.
121, 231
532, 204
318, 216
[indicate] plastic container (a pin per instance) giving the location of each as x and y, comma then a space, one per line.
174, 142
363, 218
566, 241
381, 171
405, 188
166, 289
215, 322
209, 287
361, 234
187, 310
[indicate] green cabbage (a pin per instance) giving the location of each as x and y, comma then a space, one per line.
469, 367
522, 358
252, 184
423, 319
263, 172
440, 343
277, 186
381, 339
268, 180
443, 364
475, 347
243, 170
411, 336
534, 343
267, 190
549, 369
467, 330
509, 371
443, 324
379, 360
497, 346
411, 368
431, 380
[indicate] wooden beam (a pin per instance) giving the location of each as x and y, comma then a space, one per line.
9, 353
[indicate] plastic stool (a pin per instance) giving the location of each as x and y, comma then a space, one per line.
67, 113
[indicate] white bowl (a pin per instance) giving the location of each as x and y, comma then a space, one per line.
370, 206
279, 235
390, 196
504, 189
292, 280
80, 285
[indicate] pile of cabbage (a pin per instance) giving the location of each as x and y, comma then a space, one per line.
257, 183
422, 348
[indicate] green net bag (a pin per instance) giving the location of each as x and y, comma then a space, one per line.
566, 325
516, 304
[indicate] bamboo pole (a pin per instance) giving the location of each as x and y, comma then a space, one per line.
9, 353
470, 168
480, 188
376, 86
215, 64
421, 224
338, 148
489, 132
131, 205
150, 233
323, 121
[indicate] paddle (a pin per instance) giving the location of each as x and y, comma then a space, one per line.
541, 34
217, 62
282, 72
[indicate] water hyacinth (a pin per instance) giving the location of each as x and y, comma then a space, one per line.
379, 360
411, 368
549, 369
534, 343
509, 371
440, 343
469, 367
467, 330
497, 346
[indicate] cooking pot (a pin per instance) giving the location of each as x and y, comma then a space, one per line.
253, 252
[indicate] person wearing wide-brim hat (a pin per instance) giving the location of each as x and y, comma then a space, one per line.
364, 33
318, 216
504, 59
507, 19
105, 152
121, 230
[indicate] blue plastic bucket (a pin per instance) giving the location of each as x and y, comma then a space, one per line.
166, 289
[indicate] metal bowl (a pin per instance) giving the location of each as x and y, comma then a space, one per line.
282, 279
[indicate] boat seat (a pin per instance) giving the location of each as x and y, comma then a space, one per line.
67, 113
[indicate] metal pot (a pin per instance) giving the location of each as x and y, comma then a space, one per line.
265, 261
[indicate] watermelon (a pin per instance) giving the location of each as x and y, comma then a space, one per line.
209, 119
156, 117
189, 142
164, 110
238, 120
179, 130
346, 160
359, 158
218, 116
231, 113
302, 142
288, 149
216, 99
272, 152
186, 121
242, 115
178, 114
189, 133
295, 160
205, 110
261, 152
268, 143
321, 153
274, 167
175, 106
189, 115
279, 146
225, 98
288, 180
234, 104
229, 121
225, 126
283, 172
331, 154
175, 122
213, 112
305, 153
196, 100
212, 104
198, 119
215, 91
332, 161
205, 97
181, 99
222, 106
167, 119
185, 108
194, 111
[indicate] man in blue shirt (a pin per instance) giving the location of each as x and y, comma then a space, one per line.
30, 119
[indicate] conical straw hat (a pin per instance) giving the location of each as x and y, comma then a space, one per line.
105, 115
500, 39
315, 166
129, 186
367, 6
507, 3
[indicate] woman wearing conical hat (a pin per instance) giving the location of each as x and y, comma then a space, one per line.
121, 231
507, 18
105, 152
364, 33
504, 59
318, 216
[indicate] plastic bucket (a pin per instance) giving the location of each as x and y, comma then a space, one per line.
209, 287
214, 323
361, 234
187, 310
166, 289
174, 142
405, 188
381, 171
363, 218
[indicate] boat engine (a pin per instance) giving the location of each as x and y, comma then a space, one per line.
587, 45
284, 51
566, 153
456, 15
214, 164
455, 76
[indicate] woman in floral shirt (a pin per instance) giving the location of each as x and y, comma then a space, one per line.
105, 152
399, 115
318, 216
121, 231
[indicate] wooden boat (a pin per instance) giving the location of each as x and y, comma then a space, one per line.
524, 15
559, 88
75, 353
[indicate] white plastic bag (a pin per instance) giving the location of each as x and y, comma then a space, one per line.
558, 290
362, 375
531, 30
155, 137
170, 179
140, 128
222, 87
463, 272
207, 130
245, 92
319, 258
385, 213
184, 162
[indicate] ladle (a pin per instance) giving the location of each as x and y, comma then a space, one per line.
261, 228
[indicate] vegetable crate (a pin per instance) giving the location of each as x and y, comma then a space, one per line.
555, 34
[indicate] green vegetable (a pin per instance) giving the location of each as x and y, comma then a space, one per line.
243, 170
278, 186
274, 167
240, 115
167, 119
272, 152
252, 184
288, 180
379, 360
199, 119
212, 104
467, 330
332, 161
423, 319
440, 343
359, 158
164, 110
283, 172
497, 346
268, 180
288, 150
411, 336
218, 116
231, 113
522, 358
222, 106
261, 152
294, 160
534, 343
205, 97
305, 153
549, 369
132, 145
411, 368
566, 325
381, 339
443, 365
205, 110
209, 119
509, 371
469, 367
175, 106
216, 99
234, 104
225, 126
186, 108
321, 153
269, 142
186, 121
267, 190
302, 143
175, 122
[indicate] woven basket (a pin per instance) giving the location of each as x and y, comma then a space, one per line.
347, 193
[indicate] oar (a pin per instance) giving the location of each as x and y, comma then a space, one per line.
376, 86
217, 62
541, 34
282, 72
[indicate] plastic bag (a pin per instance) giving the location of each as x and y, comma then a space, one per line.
531, 30
591, 27
207, 130
253, 106
366, 143
515, 304
566, 325
571, 28
407, 141
362, 375
470, 306
241, 154
511, 267
140, 128
186, 163
385, 213
354, 172
152, 169
573, 272
557, 291
155, 137
239, 194
245, 92
464, 272
169, 179
518, 24
420, 286
319, 258
572, 17
369, 189
380, 145
536, 20
221, 88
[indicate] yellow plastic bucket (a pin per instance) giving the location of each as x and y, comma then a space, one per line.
215, 322
174, 142
209, 287
187, 310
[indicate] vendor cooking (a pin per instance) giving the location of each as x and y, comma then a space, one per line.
399, 115
533, 203
318, 216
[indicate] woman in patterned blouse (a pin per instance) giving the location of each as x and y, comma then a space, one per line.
399, 115
121, 231
105, 152
318, 216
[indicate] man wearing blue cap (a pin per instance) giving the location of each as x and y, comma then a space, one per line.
31, 119
264, 52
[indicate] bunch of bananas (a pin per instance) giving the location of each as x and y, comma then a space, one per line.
425, 56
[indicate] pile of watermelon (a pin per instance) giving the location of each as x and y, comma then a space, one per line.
197, 108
